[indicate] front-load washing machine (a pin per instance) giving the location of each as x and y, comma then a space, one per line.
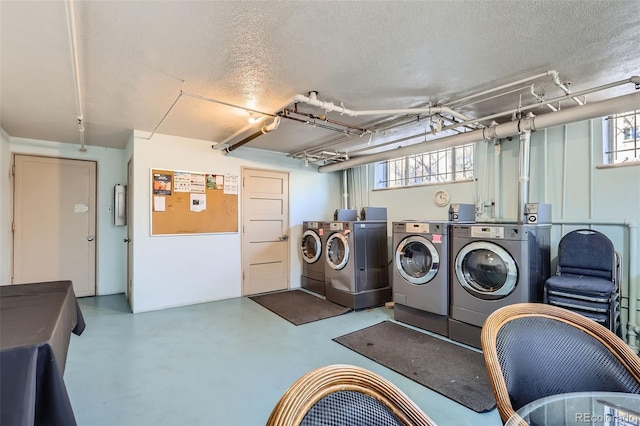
494, 265
313, 277
356, 269
420, 278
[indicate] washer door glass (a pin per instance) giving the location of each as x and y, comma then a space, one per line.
337, 251
486, 270
417, 260
311, 246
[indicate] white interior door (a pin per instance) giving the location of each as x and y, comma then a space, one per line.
265, 231
55, 222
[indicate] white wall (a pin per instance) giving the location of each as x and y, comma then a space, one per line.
111, 260
180, 270
5, 209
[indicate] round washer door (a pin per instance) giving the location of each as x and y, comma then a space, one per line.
417, 260
337, 253
311, 246
486, 270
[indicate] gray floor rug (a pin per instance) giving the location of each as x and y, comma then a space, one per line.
449, 369
299, 307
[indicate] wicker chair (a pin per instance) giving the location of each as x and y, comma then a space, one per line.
534, 350
345, 395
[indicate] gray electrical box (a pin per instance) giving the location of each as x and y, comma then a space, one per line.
346, 215
536, 213
119, 205
373, 213
462, 212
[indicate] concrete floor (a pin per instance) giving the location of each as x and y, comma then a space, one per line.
219, 363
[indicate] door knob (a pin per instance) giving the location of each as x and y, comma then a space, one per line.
284, 238
90, 237
126, 240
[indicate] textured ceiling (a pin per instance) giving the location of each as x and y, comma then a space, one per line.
135, 58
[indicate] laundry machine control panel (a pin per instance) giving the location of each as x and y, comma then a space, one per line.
340, 226
312, 225
487, 231
416, 228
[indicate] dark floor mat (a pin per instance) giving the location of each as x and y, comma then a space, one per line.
299, 307
452, 370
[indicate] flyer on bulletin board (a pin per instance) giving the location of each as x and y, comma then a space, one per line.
161, 184
182, 181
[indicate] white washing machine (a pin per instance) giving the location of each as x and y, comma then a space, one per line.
420, 278
356, 270
494, 265
313, 277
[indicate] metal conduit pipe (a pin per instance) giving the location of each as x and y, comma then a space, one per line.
330, 106
633, 327
579, 113
504, 86
73, 40
635, 80
345, 191
564, 88
523, 186
266, 128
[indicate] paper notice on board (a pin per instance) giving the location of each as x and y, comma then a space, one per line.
211, 182
219, 181
182, 182
198, 202
197, 183
161, 183
231, 184
158, 204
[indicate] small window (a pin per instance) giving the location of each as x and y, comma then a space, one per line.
445, 165
622, 138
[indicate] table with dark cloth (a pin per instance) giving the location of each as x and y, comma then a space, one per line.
36, 322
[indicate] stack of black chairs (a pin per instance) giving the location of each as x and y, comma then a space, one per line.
587, 279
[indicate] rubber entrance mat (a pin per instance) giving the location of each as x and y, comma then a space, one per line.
299, 307
451, 370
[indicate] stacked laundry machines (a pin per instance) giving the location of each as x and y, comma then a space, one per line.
356, 266
494, 265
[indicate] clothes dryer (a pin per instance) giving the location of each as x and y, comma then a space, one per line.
313, 276
494, 265
420, 278
356, 267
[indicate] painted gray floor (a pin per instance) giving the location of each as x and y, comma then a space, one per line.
220, 363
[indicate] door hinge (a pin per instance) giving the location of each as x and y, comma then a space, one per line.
242, 275
13, 226
13, 170
243, 182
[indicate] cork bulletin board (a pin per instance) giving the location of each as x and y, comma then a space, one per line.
193, 203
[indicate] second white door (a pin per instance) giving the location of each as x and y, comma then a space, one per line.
265, 231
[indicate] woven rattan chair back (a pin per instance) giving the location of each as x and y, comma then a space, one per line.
338, 395
533, 350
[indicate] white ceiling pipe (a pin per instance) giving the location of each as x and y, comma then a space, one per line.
564, 88
616, 105
504, 86
330, 106
73, 39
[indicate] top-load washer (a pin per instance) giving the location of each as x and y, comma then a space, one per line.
420, 278
494, 265
313, 277
356, 270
